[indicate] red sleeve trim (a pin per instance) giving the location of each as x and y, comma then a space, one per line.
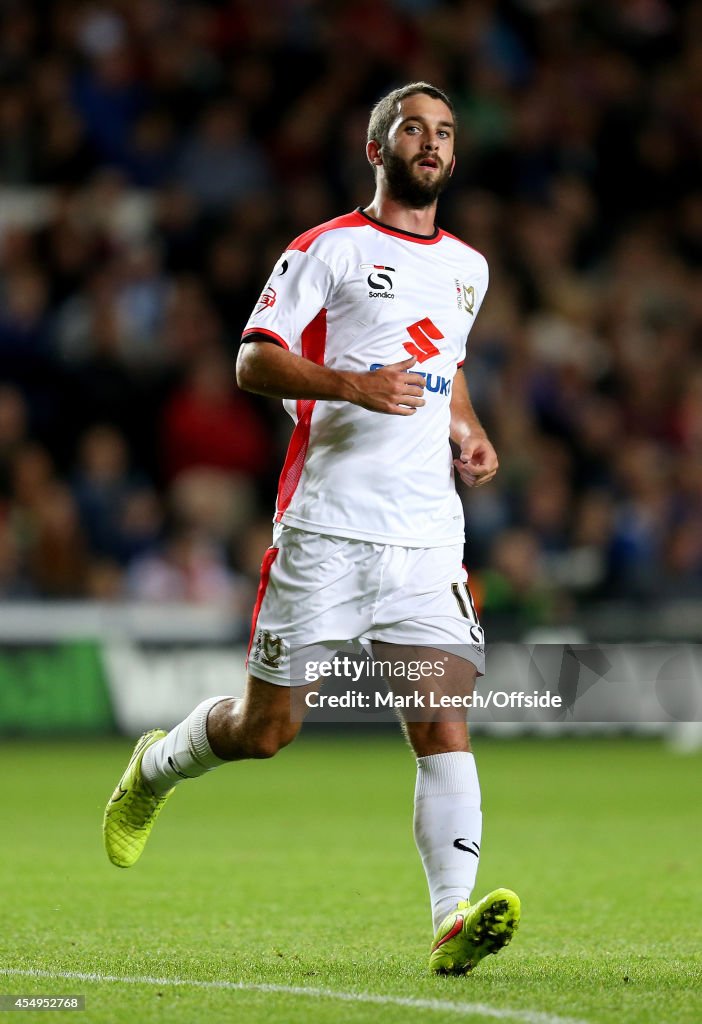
269, 334
459, 365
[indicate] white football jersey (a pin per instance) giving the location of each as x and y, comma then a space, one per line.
355, 294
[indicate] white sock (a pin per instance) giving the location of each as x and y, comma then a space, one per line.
448, 827
185, 753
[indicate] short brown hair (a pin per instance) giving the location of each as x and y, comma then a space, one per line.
386, 109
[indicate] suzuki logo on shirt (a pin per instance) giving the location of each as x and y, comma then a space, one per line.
434, 381
424, 333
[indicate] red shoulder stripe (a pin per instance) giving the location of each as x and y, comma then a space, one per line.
348, 220
447, 234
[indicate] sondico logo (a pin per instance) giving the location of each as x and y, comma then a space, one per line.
379, 281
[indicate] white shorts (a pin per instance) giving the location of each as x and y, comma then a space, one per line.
319, 592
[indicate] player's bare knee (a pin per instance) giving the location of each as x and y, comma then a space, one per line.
263, 747
267, 734
429, 738
268, 742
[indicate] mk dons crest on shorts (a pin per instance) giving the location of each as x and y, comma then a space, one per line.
267, 648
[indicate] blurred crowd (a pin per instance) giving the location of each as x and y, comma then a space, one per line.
156, 156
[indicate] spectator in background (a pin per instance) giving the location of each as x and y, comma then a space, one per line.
45, 535
219, 505
514, 592
176, 230
107, 92
110, 498
141, 293
642, 518
233, 289
24, 319
152, 149
66, 156
16, 138
584, 566
13, 433
220, 164
178, 148
57, 556
209, 422
104, 581
191, 325
14, 583
188, 567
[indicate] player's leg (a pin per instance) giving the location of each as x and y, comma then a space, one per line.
223, 729
220, 729
448, 828
426, 605
304, 595
447, 813
448, 820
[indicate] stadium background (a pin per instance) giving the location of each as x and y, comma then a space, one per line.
155, 158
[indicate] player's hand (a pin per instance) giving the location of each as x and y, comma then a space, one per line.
477, 462
392, 389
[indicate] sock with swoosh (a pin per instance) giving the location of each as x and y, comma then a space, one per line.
448, 827
185, 753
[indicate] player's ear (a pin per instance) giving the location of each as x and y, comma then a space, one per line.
453, 164
373, 153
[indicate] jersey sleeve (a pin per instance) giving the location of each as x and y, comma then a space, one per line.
473, 299
297, 290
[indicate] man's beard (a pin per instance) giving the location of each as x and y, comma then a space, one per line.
405, 187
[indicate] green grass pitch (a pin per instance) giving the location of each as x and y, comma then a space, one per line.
301, 873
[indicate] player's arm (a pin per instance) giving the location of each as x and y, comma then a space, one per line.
268, 369
477, 460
